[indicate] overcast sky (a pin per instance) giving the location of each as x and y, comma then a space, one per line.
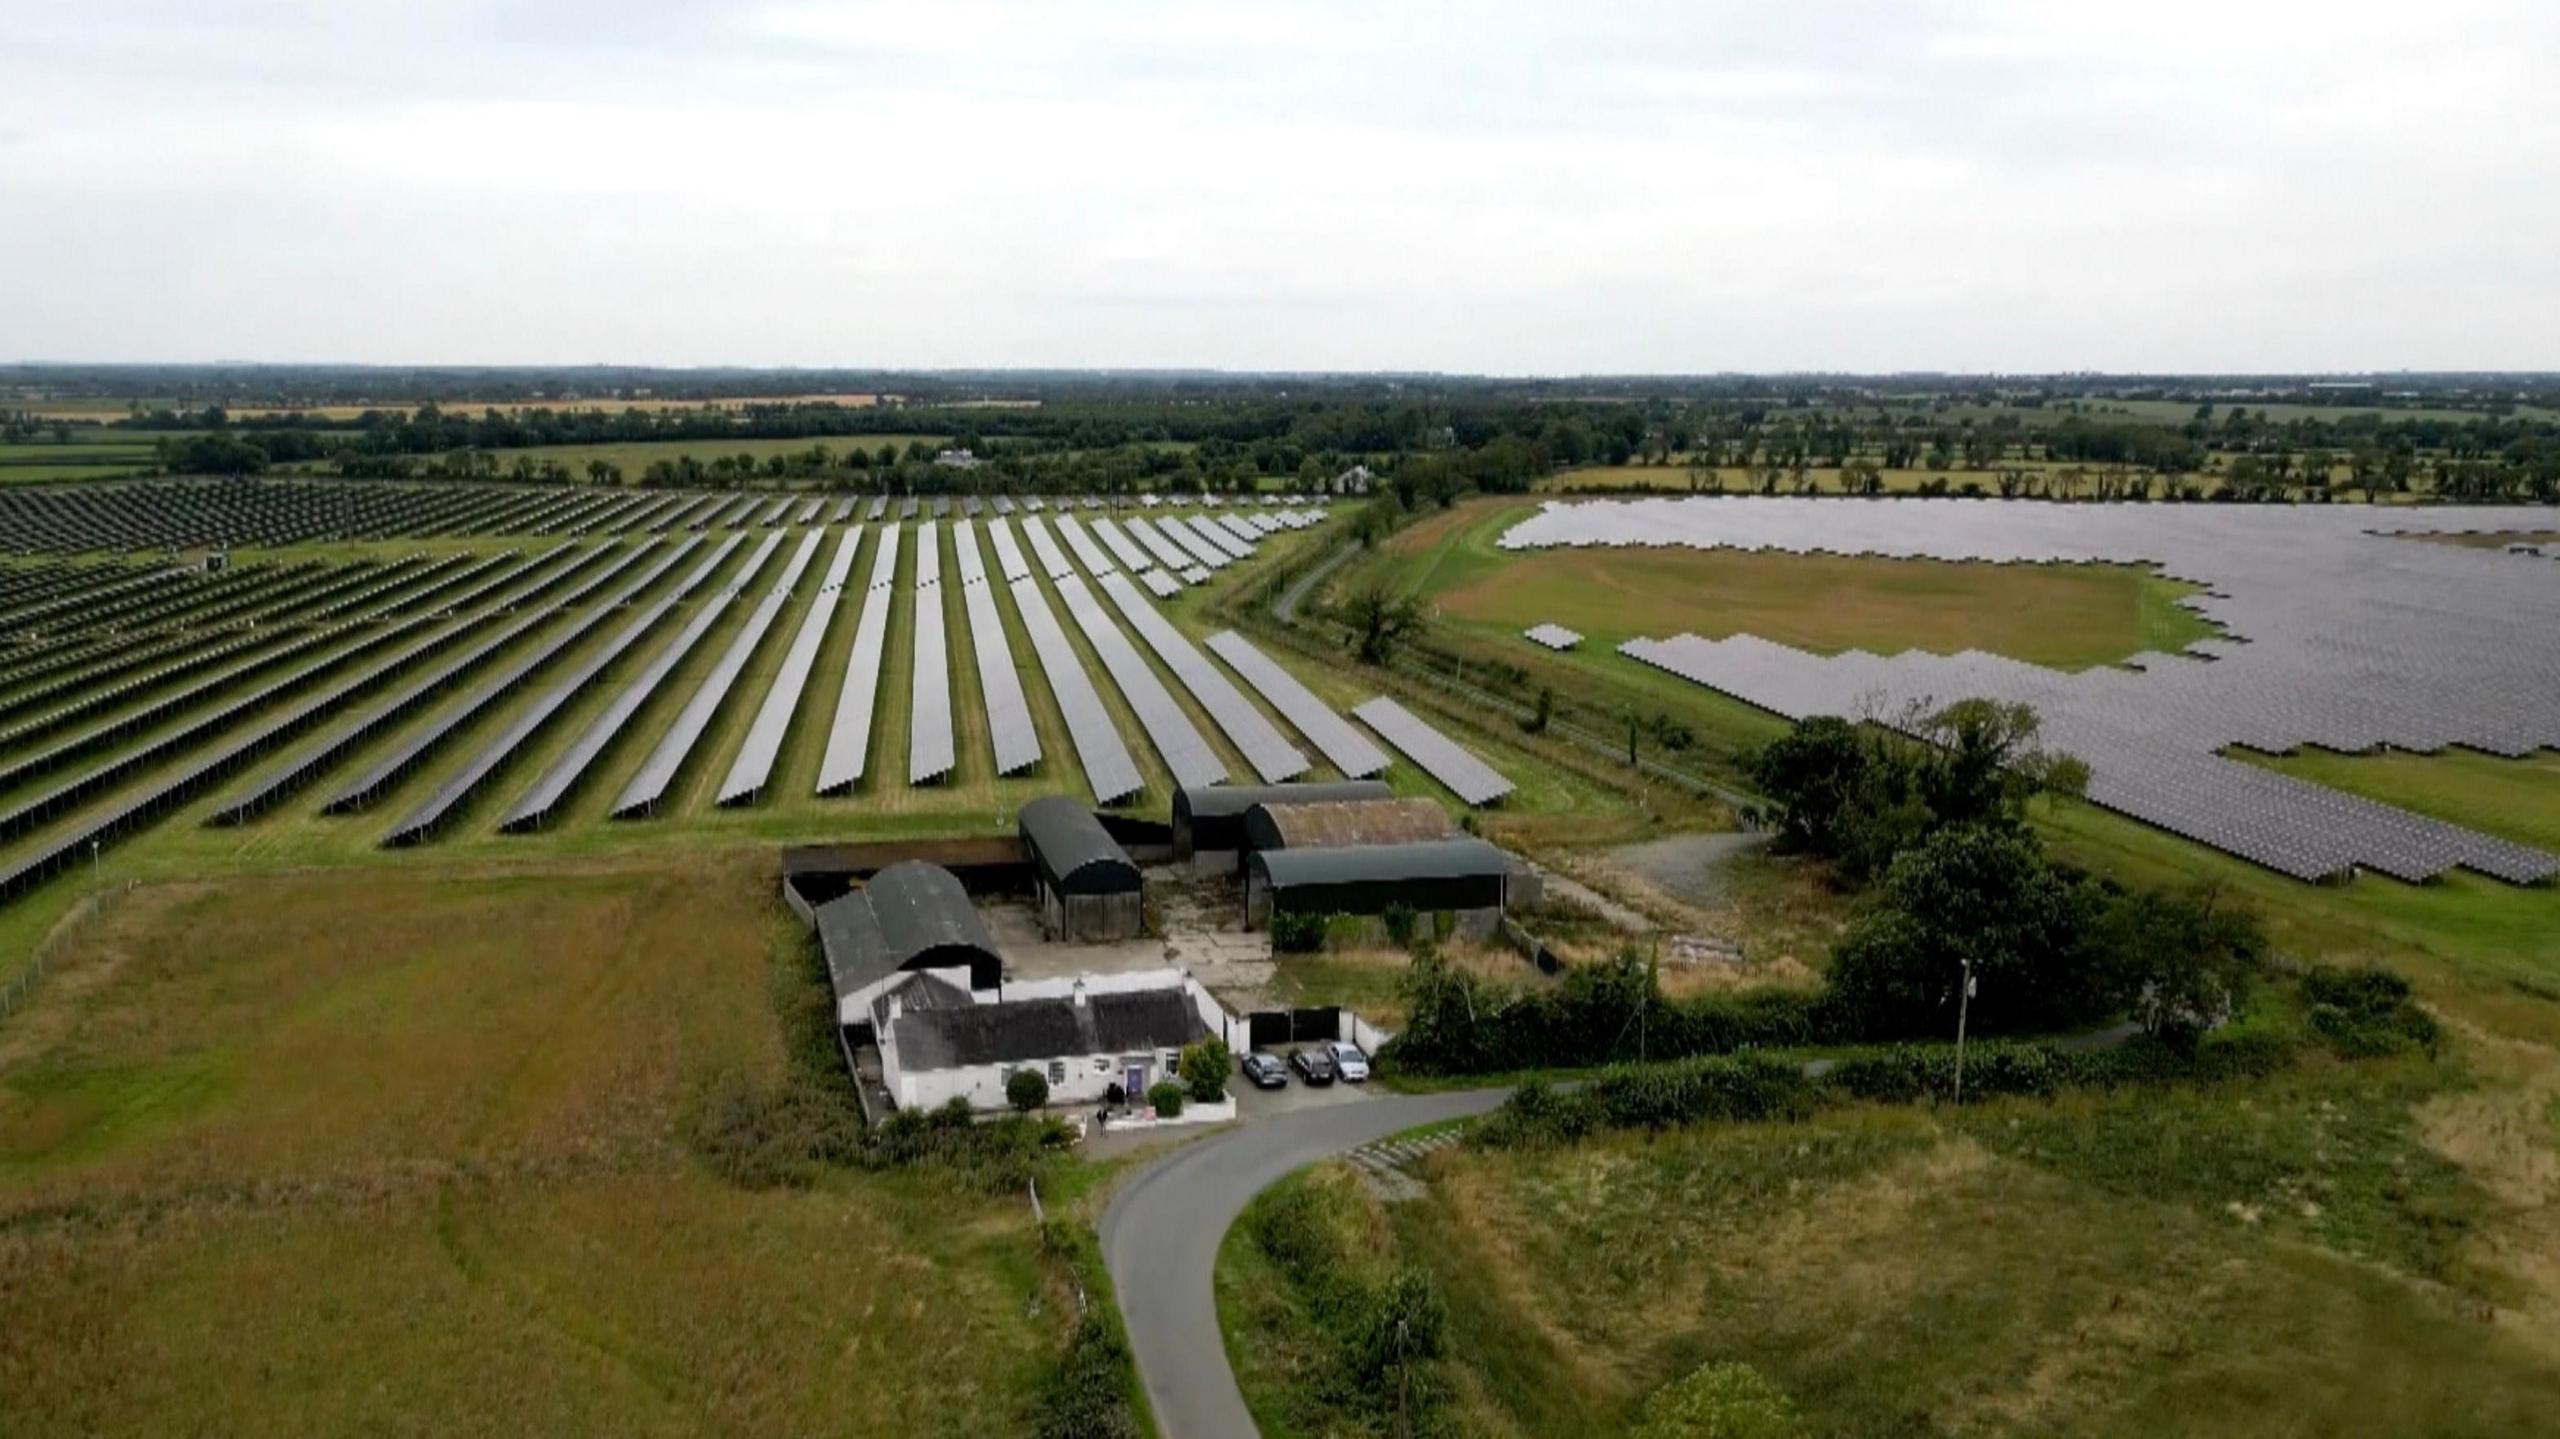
1486, 186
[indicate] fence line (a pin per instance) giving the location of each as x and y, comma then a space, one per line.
72, 925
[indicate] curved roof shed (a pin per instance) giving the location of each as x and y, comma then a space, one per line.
1073, 852
1211, 817
1458, 873
911, 915
1337, 824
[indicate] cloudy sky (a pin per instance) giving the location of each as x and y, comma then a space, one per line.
1489, 186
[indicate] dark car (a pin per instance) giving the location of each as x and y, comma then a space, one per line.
1313, 1065
1265, 1072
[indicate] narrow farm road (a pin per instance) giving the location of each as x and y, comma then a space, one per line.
1160, 1239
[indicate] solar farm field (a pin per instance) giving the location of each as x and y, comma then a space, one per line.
525, 675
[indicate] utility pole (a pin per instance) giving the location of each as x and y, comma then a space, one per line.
1964, 1003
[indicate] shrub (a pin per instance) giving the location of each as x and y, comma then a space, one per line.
1204, 1070
1720, 1401
1026, 1090
1297, 933
1397, 919
1654, 1096
1166, 1096
2366, 1012
1087, 1395
760, 1138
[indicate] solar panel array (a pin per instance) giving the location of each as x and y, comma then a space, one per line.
541, 800
424, 818
1344, 747
2339, 638
1185, 753
932, 751
1263, 746
1472, 780
752, 770
849, 736
148, 684
1554, 637
1009, 726
1109, 769
657, 774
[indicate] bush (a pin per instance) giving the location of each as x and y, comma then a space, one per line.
1720, 1401
1655, 1096
1087, 1396
1397, 920
1204, 1070
1166, 1096
1026, 1090
1298, 933
2366, 1012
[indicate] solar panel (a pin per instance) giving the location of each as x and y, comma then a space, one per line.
1131, 556
752, 770
849, 736
1108, 769
1169, 554
1053, 561
1009, 726
1263, 746
657, 775
1186, 754
931, 750
1472, 780
1554, 637
1344, 747
1087, 553
1163, 586
1009, 558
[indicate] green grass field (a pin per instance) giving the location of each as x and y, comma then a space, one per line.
399, 1149
637, 456
2289, 1260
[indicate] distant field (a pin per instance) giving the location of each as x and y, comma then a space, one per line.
638, 456
92, 454
2067, 616
569, 406
376, 1152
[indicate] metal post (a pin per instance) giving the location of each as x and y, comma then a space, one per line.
1964, 1004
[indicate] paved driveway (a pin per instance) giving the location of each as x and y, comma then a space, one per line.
1160, 1239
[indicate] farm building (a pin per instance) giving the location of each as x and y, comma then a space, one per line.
911, 918
1208, 820
1089, 888
939, 1042
1343, 823
1462, 877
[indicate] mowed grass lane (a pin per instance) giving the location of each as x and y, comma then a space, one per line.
335, 1152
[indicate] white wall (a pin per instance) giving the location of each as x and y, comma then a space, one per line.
982, 1085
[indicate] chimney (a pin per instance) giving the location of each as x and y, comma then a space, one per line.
1079, 992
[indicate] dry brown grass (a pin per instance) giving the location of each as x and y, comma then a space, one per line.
401, 1151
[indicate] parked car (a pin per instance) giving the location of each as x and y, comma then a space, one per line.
1348, 1061
1315, 1066
1265, 1072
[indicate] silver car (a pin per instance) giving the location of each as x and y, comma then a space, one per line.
1348, 1061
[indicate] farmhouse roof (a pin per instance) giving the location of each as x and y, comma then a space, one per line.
1027, 1030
